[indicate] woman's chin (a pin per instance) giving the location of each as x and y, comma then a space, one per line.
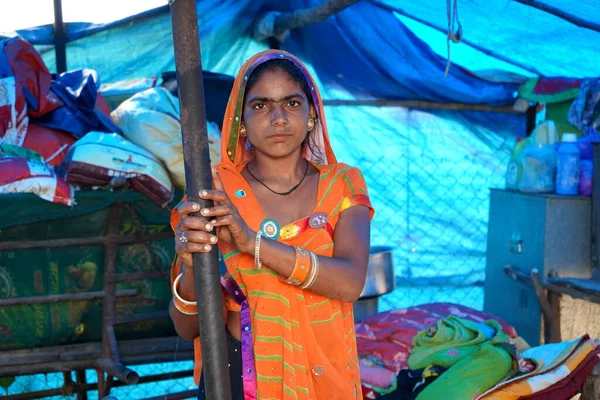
278, 151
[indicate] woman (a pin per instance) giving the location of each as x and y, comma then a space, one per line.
293, 227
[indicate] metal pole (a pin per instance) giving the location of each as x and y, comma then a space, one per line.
596, 213
60, 38
186, 40
275, 24
557, 12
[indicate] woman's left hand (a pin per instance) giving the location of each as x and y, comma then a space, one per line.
230, 225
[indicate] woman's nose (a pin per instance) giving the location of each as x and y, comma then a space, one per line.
278, 116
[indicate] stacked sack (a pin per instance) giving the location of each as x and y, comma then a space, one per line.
53, 118
150, 119
25, 171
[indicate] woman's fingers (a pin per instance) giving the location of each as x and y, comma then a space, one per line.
215, 195
187, 207
199, 237
190, 241
192, 247
195, 223
224, 221
217, 211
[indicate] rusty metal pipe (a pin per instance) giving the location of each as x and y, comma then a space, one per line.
130, 319
186, 39
61, 298
118, 370
91, 241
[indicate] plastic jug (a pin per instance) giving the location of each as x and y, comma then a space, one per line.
515, 168
567, 170
538, 168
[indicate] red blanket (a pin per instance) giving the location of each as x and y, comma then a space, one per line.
387, 337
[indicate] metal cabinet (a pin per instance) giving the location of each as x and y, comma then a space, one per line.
547, 232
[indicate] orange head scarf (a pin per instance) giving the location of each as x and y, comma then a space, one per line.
233, 145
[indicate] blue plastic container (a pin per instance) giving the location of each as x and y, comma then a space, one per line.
567, 168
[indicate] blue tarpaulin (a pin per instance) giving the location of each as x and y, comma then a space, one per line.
428, 171
524, 36
437, 166
392, 49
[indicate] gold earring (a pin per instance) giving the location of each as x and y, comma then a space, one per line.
311, 124
243, 131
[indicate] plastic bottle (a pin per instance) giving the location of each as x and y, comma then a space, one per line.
567, 171
515, 168
538, 163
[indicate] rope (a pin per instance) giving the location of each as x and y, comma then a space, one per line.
454, 29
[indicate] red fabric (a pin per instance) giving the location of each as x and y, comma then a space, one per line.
20, 175
102, 105
377, 376
570, 385
392, 355
31, 74
51, 144
388, 336
555, 85
368, 393
5, 119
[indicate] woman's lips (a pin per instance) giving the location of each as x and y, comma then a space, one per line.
279, 137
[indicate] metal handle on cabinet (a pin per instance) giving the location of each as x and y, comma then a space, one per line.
516, 243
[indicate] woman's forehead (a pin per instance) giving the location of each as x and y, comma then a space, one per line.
275, 83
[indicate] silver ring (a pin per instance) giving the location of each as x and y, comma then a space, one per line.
183, 238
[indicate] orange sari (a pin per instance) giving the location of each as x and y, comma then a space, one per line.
303, 343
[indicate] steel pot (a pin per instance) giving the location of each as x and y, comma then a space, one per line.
380, 273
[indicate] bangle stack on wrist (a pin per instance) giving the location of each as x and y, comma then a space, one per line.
314, 271
306, 269
183, 306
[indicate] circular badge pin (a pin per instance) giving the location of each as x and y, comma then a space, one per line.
317, 220
240, 193
270, 229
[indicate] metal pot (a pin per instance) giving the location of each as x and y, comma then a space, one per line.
380, 273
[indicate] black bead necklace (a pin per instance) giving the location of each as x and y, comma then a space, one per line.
280, 193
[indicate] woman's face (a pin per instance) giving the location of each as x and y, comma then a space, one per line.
276, 114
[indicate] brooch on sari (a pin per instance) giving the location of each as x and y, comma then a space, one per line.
270, 229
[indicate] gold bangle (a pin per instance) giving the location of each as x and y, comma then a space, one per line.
183, 306
314, 271
301, 267
183, 310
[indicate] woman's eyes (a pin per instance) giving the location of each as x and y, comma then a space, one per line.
262, 106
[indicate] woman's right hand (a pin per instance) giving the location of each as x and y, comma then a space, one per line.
193, 234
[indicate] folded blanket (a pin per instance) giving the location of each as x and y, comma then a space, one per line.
388, 336
554, 362
477, 356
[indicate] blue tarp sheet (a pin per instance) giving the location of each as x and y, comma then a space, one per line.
368, 49
428, 171
532, 39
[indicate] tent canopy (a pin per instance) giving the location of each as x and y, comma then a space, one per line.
428, 171
402, 43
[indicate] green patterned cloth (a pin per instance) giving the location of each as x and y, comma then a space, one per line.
77, 269
477, 356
